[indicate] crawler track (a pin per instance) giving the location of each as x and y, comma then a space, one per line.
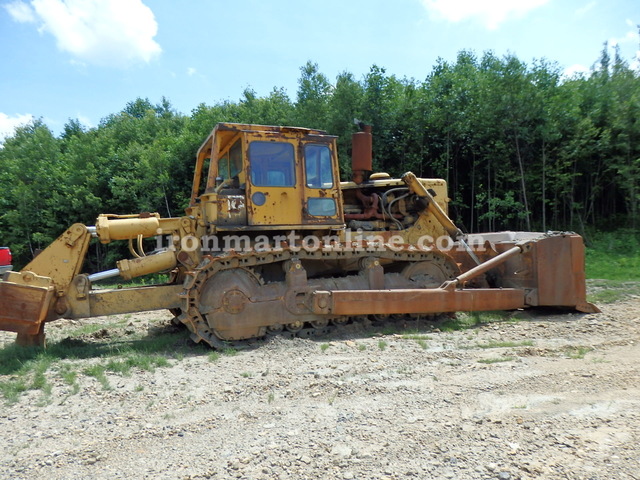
200, 282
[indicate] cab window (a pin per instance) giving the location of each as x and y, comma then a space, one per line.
272, 164
317, 164
235, 159
223, 167
322, 207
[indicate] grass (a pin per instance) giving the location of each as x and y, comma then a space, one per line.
614, 255
70, 377
33, 368
416, 335
506, 344
230, 352
25, 372
382, 344
324, 347
578, 353
404, 370
12, 389
496, 360
153, 279
466, 320
389, 329
99, 373
91, 328
613, 265
140, 361
214, 355
448, 323
611, 291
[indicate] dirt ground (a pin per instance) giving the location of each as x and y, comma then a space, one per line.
550, 396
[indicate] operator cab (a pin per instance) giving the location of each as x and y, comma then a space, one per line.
273, 178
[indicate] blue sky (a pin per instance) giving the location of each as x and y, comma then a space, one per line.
86, 59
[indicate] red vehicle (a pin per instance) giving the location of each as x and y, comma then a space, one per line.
5, 259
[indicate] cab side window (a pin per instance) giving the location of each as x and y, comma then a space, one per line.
272, 164
317, 165
223, 167
235, 159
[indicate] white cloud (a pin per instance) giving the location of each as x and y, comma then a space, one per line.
21, 12
576, 70
8, 124
84, 120
191, 71
630, 37
628, 45
584, 9
490, 12
102, 32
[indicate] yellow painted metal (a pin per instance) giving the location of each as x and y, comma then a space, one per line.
125, 227
282, 205
434, 208
62, 260
125, 300
109, 228
324, 190
145, 265
182, 231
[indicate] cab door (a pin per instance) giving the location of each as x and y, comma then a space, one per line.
321, 178
275, 196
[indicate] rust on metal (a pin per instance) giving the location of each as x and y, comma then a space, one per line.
362, 154
483, 267
433, 300
24, 308
550, 270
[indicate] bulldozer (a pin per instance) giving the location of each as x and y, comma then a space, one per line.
273, 241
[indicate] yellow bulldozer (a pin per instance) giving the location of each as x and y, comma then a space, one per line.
272, 240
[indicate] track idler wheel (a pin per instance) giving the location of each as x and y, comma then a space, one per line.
294, 327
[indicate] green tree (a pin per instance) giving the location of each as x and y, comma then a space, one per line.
345, 106
314, 90
32, 201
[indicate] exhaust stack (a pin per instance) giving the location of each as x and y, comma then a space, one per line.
361, 154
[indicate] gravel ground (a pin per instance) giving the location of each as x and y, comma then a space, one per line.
549, 396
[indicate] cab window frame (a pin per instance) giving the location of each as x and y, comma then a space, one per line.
323, 166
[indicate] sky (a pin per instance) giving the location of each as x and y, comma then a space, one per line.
86, 59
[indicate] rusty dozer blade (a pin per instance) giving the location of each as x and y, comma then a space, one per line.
24, 307
549, 269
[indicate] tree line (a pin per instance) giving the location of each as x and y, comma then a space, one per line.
521, 147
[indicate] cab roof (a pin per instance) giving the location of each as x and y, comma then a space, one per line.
247, 127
